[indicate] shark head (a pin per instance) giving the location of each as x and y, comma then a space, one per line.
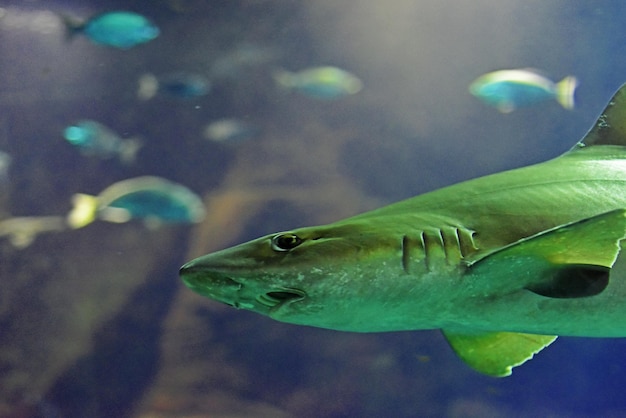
302, 277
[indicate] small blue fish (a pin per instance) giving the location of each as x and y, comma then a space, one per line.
182, 85
507, 90
326, 83
152, 199
95, 139
118, 29
229, 131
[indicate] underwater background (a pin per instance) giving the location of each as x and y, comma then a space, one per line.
95, 322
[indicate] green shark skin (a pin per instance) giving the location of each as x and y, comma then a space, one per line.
502, 264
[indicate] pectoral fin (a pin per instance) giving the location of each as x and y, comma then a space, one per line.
570, 261
496, 353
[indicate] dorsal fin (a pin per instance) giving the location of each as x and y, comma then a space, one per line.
610, 128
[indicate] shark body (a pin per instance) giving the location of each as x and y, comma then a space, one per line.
502, 264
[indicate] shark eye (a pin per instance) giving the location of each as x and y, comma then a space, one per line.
285, 241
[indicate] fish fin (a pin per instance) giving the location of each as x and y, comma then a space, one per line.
569, 261
153, 223
565, 90
128, 150
575, 281
85, 208
22, 239
115, 215
148, 87
536, 71
505, 107
284, 78
496, 353
610, 128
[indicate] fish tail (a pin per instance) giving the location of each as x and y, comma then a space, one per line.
148, 86
565, 90
72, 26
115, 215
284, 78
85, 208
128, 150
22, 239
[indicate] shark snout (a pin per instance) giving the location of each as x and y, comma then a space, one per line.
208, 282
190, 268
218, 283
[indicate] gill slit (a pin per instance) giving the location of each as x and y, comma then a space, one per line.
406, 254
236, 303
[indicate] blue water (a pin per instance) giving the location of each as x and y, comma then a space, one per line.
95, 322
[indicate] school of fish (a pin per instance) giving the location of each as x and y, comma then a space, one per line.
502, 264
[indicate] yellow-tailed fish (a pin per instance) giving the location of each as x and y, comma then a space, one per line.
326, 83
94, 139
152, 199
507, 90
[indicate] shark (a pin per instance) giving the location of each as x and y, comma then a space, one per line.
501, 264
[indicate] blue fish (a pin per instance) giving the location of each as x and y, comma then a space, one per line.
152, 199
182, 85
95, 139
118, 29
507, 90
325, 83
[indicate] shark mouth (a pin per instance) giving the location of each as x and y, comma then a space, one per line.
236, 292
275, 298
